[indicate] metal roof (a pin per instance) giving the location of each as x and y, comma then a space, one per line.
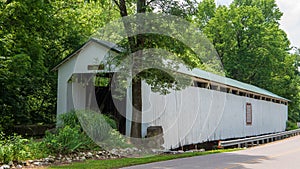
107, 44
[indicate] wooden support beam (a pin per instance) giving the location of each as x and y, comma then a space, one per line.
237, 91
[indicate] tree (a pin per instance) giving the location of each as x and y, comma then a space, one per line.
35, 36
253, 48
206, 11
136, 44
249, 46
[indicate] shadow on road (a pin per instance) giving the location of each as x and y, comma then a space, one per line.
213, 161
235, 161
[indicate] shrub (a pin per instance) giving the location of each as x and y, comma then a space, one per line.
71, 137
291, 125
16, 148
12, 148
68, 140
69, 119
101, 129
37, 149
94, 124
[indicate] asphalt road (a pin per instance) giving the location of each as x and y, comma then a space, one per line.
283, 154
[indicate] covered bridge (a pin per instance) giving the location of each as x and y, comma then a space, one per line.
212, 108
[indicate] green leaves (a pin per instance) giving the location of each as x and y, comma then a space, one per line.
253, 48
34, 37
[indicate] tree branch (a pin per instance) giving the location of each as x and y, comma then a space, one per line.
148, 3
116, 2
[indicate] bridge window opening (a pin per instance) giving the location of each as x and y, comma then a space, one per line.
214, 87
201, 84
242, 94
248, 114
257, 97
223, 89
234, 92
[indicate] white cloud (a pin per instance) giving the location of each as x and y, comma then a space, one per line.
290, 21
223, 2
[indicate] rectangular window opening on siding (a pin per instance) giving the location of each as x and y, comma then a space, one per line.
248, 114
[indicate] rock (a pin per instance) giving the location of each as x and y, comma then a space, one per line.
202, 150
19, 166
59, 157
154, 150
10, 163
68, 160
45, 163
180, 151
50, 156
125, 150
51, 160
82, 159
37, 163
30, 161
24, 163
89, 155
82, 154
5, 167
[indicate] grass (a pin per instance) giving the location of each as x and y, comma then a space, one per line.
123, 162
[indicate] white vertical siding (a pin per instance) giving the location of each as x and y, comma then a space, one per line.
91, 54
195, 115
64, 74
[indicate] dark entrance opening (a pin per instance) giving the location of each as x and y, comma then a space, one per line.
114, 108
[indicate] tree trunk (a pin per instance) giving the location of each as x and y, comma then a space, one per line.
135, 44
136, 124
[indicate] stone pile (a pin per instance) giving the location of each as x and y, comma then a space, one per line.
60, 159
82, 156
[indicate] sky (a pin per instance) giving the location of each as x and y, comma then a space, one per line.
290, 21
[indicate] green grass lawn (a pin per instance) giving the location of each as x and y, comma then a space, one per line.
123, 162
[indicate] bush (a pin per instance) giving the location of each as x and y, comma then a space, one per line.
291, 125
16, 148
68, 140
71, 137
102, 129
69, 119
95, 125
12, 148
